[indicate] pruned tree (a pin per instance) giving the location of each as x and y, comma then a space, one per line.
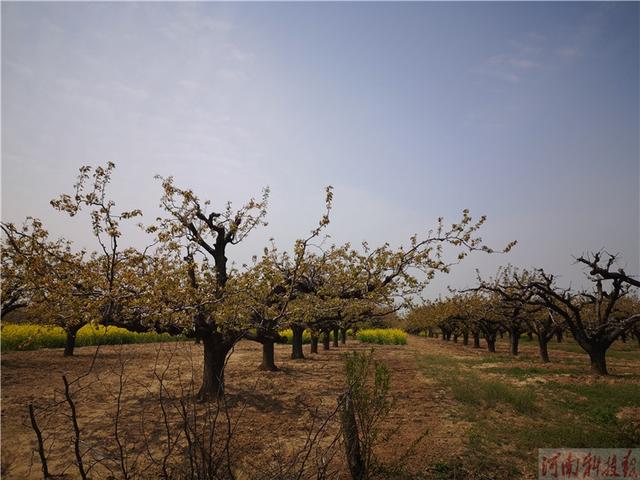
356, 284
271, 288
56, 284
234, 305
591, 315
509, 284
111, 265
189, 230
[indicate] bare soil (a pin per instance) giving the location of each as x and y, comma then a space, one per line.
274, 409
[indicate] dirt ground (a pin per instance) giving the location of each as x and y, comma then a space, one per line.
275, 409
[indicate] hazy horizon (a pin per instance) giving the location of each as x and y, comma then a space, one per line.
525, 112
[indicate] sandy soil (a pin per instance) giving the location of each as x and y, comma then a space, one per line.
275, 408
277, 402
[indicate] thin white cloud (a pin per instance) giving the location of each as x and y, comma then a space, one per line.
129, 91
18, 67
568, 52
512, 61
231, 74
522, 55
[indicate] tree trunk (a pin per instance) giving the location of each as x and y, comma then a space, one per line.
598, 360
491, 342
336, 337
351, 438
326, 340
343, 335
268, 356
501, 334
455, 338
544, 351
515, 340
70, 341
476, 340
215, 349
559, 336
314, 342
296, 342
465, 338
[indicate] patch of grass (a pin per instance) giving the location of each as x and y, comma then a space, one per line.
524, 373
33, 336
473, 390
382, 336
567, 432
545, 414
599, 402
619, 350
485, 459
469, 388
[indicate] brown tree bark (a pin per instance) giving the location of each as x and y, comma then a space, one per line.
351, 439
343, 335
215, 349
70, 341
544, 351
326, 340
314, 342
598, 360
296, 342
514, 333
476, 340
268, 356
491, 342
336, 337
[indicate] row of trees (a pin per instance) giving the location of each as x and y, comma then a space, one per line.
531, 301
183, 282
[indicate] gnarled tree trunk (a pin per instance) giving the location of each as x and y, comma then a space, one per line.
514, 333
70, 341
326, 340
314, 342
336, 337
343, 335
268, 356
296, 342
598, 360
216, 348
491, 342
544, 351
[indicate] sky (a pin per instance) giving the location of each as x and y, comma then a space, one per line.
525, 112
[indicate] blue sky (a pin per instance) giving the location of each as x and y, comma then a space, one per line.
525, 112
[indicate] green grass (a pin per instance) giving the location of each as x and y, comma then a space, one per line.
382, 336
515, 408
472, 389
33, 336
